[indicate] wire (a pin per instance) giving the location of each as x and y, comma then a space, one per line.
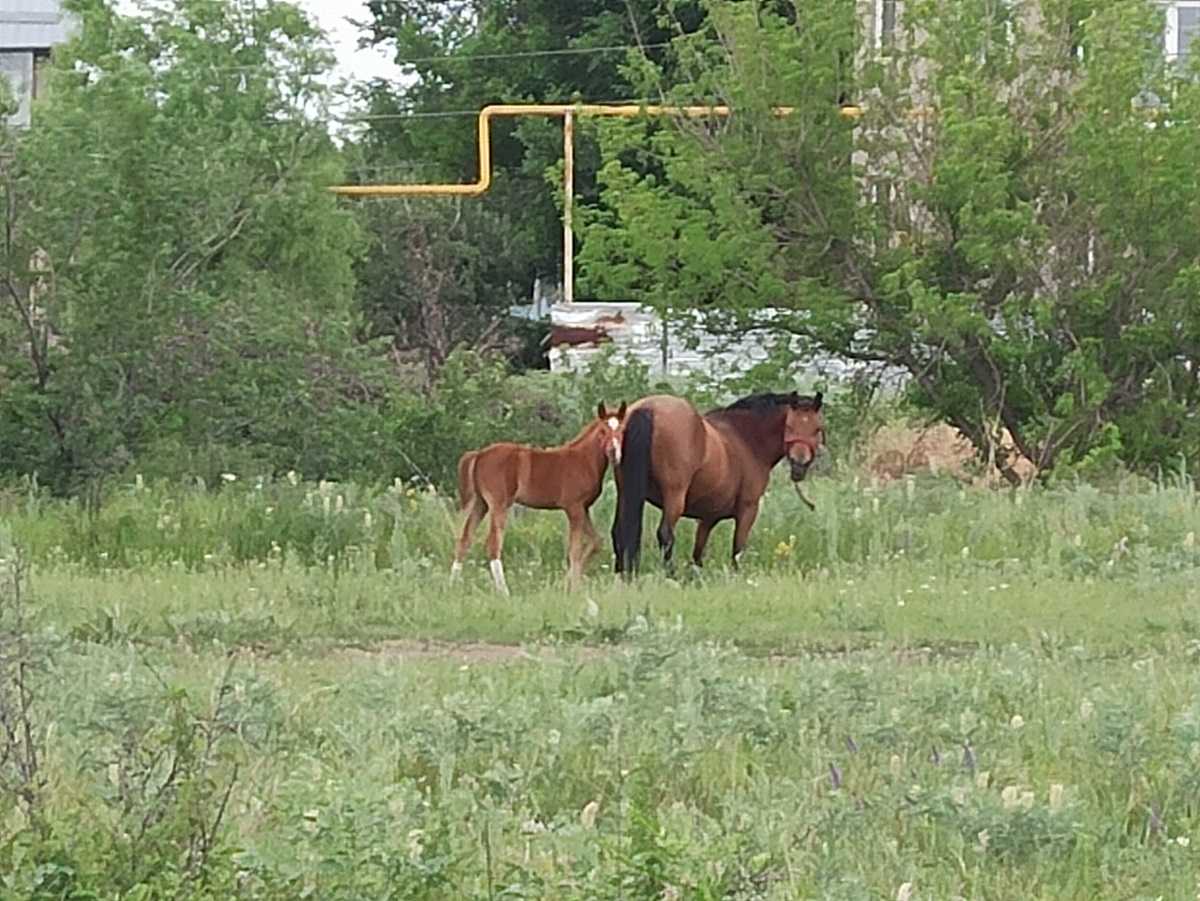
474, 57
522, 54
350, 119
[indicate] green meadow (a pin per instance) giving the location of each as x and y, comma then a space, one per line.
270, 689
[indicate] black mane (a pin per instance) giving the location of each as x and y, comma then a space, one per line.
761, 403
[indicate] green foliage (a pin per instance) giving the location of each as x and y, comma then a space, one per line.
998, 222
176, 273
461, 58
1051, 765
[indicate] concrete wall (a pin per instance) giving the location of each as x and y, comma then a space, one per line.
28, 30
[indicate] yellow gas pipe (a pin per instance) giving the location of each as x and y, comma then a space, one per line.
568, 111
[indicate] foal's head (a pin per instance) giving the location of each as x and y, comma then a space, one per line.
610, 427
803, 433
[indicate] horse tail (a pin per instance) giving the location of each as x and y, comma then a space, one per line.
466, 479
634, 486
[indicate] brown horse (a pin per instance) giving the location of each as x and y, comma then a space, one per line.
709, 468
569, 478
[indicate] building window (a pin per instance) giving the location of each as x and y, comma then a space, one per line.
885, 24
41, 65
1183, 26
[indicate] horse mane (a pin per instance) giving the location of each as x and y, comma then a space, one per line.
762, 403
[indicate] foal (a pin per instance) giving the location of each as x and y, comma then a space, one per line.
569, 477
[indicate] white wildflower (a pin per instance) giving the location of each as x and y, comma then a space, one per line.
416, 844
587, 816
1056, 795
1010, 797
1017, 721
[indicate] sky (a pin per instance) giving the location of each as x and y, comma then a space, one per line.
332, 15
353, 63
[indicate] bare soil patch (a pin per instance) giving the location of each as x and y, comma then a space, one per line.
895, 451
471, 652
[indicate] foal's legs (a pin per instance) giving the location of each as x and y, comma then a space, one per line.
495, 544
593, 540
582, 543
475, 513
743, 523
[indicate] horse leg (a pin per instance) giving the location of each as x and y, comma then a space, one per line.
474, 515
672, 509
618, 548
703, 528
579, 545
743, 523
591, 539
496, 545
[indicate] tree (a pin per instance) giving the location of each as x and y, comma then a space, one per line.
420, 280
462, 56
1002, 225
174, 271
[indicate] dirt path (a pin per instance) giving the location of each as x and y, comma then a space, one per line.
408, 650
415, 650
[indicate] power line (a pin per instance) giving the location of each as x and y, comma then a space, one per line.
521, 54
351, 119
475, 57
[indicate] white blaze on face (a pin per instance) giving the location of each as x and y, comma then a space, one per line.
614, 425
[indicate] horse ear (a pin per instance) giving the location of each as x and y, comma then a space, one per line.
600, 411
621, 411
817, 400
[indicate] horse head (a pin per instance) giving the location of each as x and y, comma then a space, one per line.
611, 429
803, 433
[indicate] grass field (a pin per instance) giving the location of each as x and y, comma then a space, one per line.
920, 691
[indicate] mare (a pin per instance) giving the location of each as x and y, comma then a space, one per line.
569, 477
709, 468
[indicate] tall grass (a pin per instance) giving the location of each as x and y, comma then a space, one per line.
1138, 529
921, 690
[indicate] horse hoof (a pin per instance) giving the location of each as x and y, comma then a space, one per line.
498, 577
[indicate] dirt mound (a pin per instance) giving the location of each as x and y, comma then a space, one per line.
901, 449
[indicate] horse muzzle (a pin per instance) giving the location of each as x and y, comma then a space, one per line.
801, 455
799, 468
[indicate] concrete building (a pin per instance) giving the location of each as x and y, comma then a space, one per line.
29, 29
